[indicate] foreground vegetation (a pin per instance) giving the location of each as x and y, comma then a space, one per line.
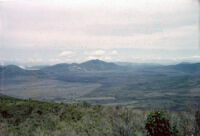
34, 118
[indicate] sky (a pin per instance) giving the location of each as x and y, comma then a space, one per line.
40, 32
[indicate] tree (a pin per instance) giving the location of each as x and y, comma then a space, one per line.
197, 120
122, 122
158, 125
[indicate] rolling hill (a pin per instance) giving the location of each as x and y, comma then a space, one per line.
171, 87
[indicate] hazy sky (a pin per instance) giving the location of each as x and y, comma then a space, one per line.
55, 31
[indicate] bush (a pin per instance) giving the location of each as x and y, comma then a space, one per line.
158, 125
122, 121
197, 119
86, 104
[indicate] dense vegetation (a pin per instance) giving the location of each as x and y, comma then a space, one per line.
34, 118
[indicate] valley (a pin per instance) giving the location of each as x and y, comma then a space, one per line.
159, 87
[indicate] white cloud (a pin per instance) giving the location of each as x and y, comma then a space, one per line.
114, 52
66, 54
196, 57
104, 58
54, 61
34, 60
107, 58
190, 58
92, 58
164, 60
98, 52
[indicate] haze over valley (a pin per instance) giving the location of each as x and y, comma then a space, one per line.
144, 86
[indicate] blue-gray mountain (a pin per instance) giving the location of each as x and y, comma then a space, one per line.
14, 71
142, 86
101, 66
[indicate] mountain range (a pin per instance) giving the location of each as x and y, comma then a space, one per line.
99, 66
143, 86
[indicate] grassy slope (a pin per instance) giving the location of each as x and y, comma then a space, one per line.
28, 117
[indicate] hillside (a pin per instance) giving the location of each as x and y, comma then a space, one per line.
98, 65
33, 118
187, 68
89, 66
11, 71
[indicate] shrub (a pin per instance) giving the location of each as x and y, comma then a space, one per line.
158, 125
5, 114
122, 122
197, 119
86, 104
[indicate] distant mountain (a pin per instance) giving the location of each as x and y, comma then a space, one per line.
139, 65
35, 67
102, 66
98, 65
56, 69
1, 68
186, 67
92, 66
13, 71
89, 66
